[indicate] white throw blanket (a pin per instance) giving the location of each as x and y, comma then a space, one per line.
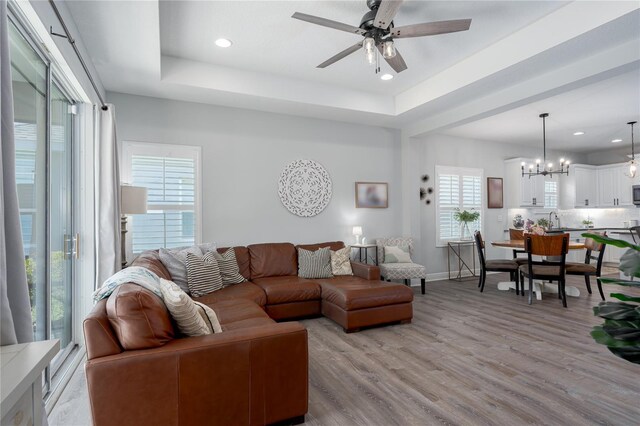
133, 274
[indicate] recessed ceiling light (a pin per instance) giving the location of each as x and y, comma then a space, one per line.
616, 141
579, 133
386, 77
223, 42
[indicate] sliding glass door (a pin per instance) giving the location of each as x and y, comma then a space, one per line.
44, 169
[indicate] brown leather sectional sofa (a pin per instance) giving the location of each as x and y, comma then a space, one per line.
140, 372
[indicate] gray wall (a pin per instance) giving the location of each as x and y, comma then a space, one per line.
452, 151
243, 154
609, 156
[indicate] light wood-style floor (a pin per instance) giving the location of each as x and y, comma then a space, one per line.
467, 358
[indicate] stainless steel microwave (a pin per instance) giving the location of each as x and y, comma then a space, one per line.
636, 195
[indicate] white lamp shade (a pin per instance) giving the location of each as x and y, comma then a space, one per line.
133, 199
357, 230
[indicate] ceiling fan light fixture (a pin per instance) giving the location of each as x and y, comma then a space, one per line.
369, 46
388, 49
386, 77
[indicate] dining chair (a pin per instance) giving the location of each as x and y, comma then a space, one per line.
587, 268
518, 235
497, 265
552, 247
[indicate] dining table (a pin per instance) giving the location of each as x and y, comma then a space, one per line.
539, 286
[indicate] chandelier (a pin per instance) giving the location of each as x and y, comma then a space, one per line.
547, 168
633, 164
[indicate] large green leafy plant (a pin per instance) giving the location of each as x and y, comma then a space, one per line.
620, 331
466, 216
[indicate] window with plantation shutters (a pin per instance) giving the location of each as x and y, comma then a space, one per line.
172, 177
551, 194
457, 188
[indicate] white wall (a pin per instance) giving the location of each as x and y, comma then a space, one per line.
243, 154
452, 151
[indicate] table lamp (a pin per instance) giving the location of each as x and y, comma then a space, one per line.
133, 200
357, 231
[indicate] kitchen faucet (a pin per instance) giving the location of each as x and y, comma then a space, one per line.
552, 212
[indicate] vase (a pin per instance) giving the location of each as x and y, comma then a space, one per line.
465, 232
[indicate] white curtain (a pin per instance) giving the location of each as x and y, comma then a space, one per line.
15, 307
107, 196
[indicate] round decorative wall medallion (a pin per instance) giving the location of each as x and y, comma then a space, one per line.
304, 188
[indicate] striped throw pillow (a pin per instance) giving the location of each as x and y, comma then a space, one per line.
203, 274
314, 264
229, 268
192, 318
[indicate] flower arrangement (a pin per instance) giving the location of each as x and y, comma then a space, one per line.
588, 223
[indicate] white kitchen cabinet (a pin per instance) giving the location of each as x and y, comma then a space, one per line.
585, 179
522, 191
614, 186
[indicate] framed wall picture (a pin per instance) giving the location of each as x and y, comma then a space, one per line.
372, 195
495, 193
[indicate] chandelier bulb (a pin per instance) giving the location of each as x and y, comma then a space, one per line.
388, 49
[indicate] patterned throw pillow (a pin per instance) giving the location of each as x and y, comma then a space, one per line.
188, 315
229, 268
394, 254
341, 261
175, 262
314, 264
203, 274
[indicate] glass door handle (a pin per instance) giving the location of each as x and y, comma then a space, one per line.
66, 247
75, 251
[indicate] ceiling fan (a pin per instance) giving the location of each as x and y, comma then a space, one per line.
379, 31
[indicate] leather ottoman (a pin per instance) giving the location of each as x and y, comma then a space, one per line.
354, 302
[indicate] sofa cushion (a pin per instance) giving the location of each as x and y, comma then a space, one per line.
333, 245
288, 289
341, 261
239, 313
203, 274
352, 293
314, 264
175, 262
273, 260
243, 259
229, 268
193, 318
139, 318
245, 291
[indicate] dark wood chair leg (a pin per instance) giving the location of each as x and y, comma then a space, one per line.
587, 281
381, 278
484, 279
564, 294
407, 282
517, 279
530, 289
423, 284
600, 288
522, 283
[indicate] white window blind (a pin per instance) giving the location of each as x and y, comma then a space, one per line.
458, 188
551, 194
172, 177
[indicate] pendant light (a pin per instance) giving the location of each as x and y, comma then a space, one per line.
547, 168
633, 164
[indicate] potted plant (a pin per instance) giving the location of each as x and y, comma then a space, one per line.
620, 332
543, 223
588, 223
465, 217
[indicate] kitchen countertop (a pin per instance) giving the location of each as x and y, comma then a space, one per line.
614, 230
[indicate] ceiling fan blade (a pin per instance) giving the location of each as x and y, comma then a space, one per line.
328, 23
431, 28
386, 12
397, 62
335, 58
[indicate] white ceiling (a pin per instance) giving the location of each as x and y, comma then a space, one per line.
516, 53
266, 39
600, 110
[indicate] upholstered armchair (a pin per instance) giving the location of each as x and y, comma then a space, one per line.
400, 270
